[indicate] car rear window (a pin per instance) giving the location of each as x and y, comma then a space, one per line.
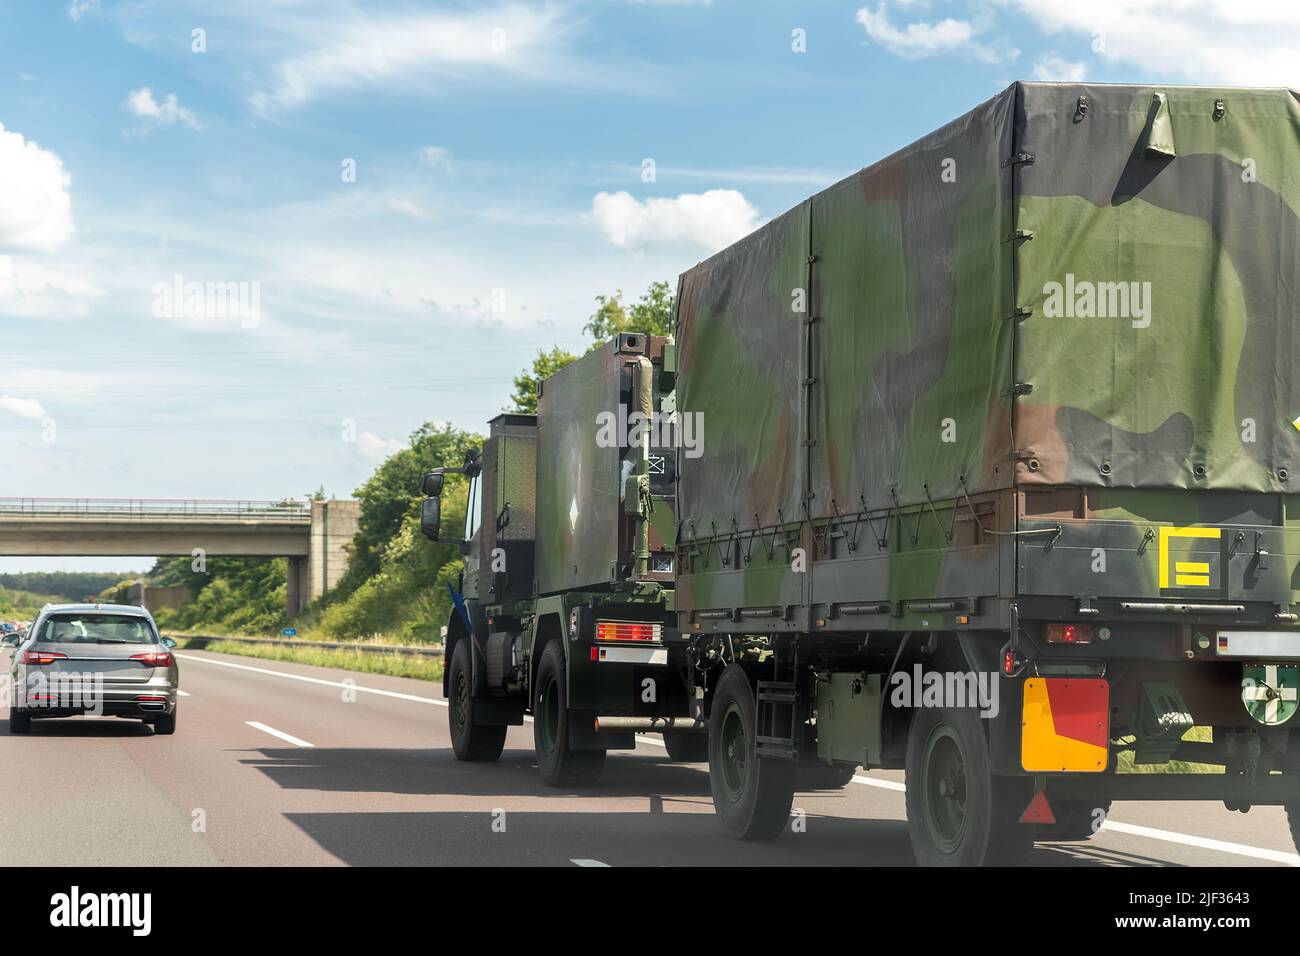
95, 628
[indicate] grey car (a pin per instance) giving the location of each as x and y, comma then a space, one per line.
100, 659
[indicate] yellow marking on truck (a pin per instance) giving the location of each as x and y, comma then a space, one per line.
1195, 574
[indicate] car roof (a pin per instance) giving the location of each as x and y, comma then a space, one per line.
126, 610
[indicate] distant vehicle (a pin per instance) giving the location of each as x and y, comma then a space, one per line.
7, 628
104, 659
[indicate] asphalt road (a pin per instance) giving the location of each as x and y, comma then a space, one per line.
283, 764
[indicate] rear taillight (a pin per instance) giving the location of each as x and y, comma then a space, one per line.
626, 631
151, 698
158, 659
1069, 634
42, 657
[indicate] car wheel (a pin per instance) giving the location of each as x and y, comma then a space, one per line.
19, 722
165, 724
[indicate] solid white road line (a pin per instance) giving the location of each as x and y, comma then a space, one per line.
1167, 836
296, 741
877, 782
588, 863
182, 693
1205, 843
317, 680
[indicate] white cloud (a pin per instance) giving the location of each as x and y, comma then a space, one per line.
32, 290
921, 38
375, 448
28, 408
436, 157
1054, 68
350, 52
35, 208
141, 102
83, 8
712, 219
1203, 41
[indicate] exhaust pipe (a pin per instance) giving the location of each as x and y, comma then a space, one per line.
687, 725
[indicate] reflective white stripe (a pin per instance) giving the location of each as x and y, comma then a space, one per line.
633, 655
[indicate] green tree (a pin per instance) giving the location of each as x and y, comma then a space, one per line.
524, 399
652, 314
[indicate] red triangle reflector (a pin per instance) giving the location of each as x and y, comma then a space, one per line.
1038, 811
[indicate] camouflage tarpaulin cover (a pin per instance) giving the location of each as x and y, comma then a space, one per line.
1122, 259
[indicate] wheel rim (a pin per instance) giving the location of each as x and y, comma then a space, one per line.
944, 788
462, 701
735, 752
550, 714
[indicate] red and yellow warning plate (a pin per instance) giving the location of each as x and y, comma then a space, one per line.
1065, 725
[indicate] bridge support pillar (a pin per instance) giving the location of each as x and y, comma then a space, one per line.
333, 526
297, 583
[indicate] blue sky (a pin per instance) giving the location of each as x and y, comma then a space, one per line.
499, 152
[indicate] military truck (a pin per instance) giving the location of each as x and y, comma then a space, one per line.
1000, 480
567, 587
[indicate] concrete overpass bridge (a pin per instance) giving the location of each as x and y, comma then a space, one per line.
312, 535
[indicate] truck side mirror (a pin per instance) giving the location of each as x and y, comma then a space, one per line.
432, 484
430, 517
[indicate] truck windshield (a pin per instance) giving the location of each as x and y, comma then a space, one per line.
95, 629
472, 508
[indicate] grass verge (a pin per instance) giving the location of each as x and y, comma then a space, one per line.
392, 665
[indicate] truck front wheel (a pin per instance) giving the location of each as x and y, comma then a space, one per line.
958, 812
751, 794
560, 764
469, 741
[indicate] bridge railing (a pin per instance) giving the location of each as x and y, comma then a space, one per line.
288, 510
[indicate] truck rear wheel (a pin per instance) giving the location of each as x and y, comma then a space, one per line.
469, 741
561, 766
958, 812
752, 795
686, 748
1293, 821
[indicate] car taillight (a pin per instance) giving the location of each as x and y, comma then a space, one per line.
626, 631
159, 659
1069, 634
42, 657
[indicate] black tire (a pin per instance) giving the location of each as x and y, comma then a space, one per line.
469, 741
686, 748
1293, 821
958, 812
835, 776
1074, 821
165, 724
752, 795
19, 722
560, 765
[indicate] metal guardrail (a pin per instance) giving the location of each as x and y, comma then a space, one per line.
288, 511
401, 650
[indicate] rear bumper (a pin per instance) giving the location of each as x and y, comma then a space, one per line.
110, 703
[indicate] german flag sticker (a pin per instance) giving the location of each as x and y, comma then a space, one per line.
1065, 725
